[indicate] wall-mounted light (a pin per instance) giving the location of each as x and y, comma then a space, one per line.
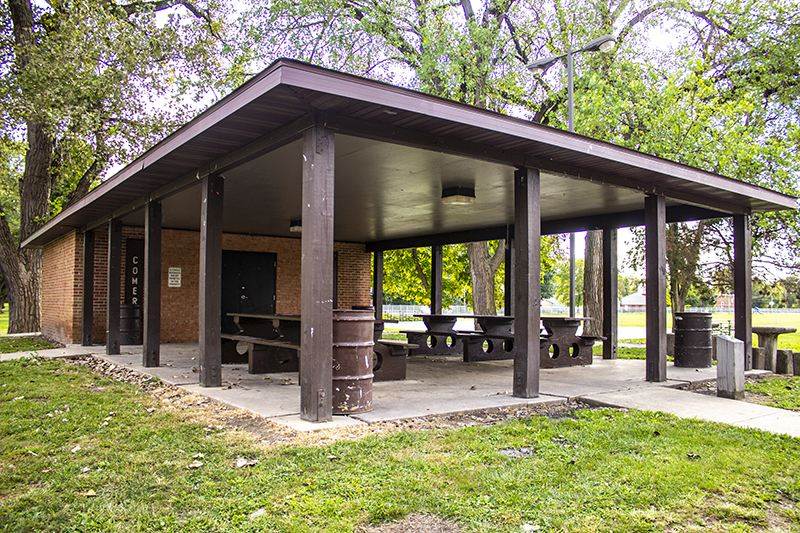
295, 226
458, 195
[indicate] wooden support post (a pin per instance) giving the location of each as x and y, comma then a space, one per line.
656, 287
508, 278
87, 316
377, 284
730, 367
210, 297
527, 284
436, 280
316, 341
113, 283
610, 324
151, 349
743, 285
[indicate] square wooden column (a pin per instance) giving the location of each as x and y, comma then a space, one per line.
436, 280
610, 271
527, 283
316, 287
656, 287
508, 278
210, 302
743, 285
151, 349
87, 303
113, 281
377, 284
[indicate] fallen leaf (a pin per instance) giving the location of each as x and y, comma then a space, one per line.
195, 464
85, 470
241, 462
198, 455
258, 512
76, 448
89, 493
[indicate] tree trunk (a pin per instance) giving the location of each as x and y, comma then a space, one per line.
677, 294
483, 267
593, 283
22, 269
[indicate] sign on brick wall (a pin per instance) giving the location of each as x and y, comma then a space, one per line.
134, 271
174, 277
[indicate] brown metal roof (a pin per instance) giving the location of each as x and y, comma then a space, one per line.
285, 94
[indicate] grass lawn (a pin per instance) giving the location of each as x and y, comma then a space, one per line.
783, 392
81, 452
789, 341
23, 344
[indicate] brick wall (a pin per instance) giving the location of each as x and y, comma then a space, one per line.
61, 288
179, 305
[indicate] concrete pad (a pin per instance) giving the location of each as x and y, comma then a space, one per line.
442, 386
687, 404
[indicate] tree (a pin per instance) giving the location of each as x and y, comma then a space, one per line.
78, 82
472, 52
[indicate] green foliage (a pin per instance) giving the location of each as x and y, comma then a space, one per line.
598, 470
105, 80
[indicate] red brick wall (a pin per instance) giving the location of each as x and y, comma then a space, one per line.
61, 277
179, 305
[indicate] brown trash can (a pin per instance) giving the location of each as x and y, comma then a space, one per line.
693, 340
130, 324
353, 334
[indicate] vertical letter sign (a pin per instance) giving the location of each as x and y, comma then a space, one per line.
134, 271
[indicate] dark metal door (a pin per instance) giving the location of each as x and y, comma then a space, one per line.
248, 285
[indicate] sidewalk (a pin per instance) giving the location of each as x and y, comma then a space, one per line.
687, 404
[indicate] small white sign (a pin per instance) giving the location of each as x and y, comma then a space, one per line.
174, 277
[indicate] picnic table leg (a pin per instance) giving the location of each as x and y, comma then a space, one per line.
770, 352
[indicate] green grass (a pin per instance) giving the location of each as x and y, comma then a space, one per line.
783, 392
23, 344
789, 341
599, 470
4, 321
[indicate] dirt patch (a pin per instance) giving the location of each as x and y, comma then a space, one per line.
709, 388
192, 407
216, 415
415, 523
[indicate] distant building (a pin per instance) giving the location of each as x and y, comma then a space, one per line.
724, 301
633, 302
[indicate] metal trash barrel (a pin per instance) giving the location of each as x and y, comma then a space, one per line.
693, 340
353, 333
130, 324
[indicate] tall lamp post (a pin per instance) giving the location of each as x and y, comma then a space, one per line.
601, 44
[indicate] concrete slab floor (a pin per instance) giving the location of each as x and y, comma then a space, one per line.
435, 386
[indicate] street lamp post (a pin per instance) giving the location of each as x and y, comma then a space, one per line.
602, 44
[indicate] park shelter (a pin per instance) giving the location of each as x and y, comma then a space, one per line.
362, 167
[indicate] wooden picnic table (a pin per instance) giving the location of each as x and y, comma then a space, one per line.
280, 327
559, 325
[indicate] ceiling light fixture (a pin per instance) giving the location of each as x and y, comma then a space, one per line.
458, 195
295, 226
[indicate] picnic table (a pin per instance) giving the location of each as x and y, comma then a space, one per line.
766, 358
271, 341
562, 346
